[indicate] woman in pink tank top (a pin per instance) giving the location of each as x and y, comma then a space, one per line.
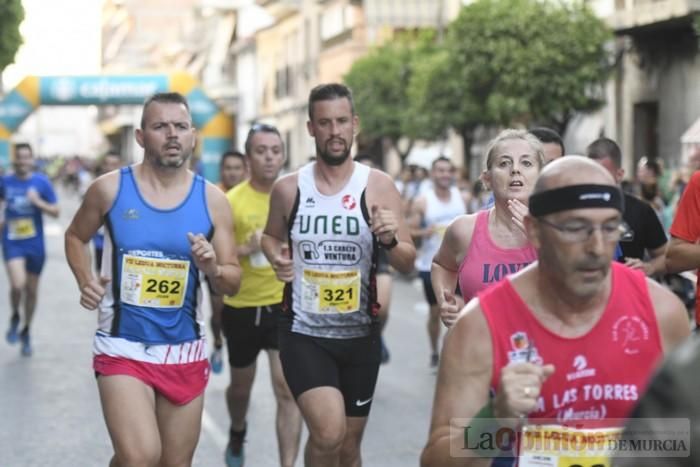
481, 249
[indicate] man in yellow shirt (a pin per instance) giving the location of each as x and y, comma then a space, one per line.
249, 319
233, 170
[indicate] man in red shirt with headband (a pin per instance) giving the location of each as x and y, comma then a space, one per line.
571, 340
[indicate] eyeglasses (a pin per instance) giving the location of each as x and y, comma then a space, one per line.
575, 232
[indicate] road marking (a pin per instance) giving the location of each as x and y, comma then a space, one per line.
210, 427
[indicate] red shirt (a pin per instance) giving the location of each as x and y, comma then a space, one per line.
686, 223
598, 376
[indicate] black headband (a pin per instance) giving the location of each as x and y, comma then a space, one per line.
576, 197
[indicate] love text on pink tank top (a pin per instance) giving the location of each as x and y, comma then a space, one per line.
486, 263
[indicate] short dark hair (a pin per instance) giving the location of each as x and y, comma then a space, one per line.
161, 98
652, 165
260, 128
327, 92
27, 146
605, 147
547, 135
231, 153
441, 159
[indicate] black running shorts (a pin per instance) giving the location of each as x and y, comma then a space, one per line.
248, 331
350, 365
428, 288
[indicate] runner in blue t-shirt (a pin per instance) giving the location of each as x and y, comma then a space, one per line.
25, 196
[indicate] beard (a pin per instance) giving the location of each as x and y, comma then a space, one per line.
328, 159
170, 162
649, 191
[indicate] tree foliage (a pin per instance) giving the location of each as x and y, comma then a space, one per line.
527, 60
11, 15
380, 81
434, 99
503, 62
440, 100
512, 62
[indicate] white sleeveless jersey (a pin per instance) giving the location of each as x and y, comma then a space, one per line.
438, 214
333, 293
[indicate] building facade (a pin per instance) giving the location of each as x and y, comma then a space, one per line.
656, 97
163, 37
308, 42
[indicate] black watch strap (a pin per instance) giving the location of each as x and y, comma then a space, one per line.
390, 245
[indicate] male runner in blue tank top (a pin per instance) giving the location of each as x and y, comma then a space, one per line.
26, 196
164, 226
332, 216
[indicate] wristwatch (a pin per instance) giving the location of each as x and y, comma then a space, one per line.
390, 245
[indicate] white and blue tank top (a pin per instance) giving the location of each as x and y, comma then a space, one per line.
154, 296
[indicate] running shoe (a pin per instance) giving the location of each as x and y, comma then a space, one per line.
216, 360
385, 352
26, 349
12, 335
235, 455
